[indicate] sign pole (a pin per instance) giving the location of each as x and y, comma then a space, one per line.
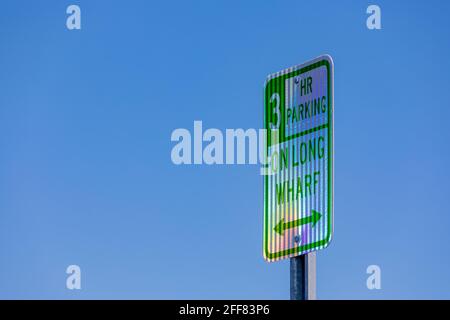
303, 277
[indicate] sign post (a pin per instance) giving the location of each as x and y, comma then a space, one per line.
303, 277
298, 175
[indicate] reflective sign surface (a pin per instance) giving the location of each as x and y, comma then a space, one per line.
298, 181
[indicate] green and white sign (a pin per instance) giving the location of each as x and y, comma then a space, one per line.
298, 180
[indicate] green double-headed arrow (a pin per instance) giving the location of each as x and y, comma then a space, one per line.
281, 226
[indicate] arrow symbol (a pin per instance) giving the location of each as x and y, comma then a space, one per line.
313, 218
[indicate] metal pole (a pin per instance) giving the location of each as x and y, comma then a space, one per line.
303, 277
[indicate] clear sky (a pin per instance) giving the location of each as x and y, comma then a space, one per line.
86, 176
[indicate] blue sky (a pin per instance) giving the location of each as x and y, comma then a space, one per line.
85, 171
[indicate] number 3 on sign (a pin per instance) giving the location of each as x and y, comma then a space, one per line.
276, 116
